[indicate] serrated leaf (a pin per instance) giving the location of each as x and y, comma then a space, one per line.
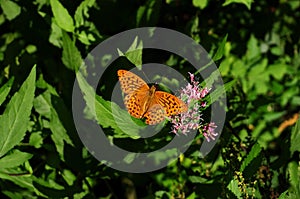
61, 16
255, 151
71, 56
10, 9
220, 52
234, 188
295, 138
14, 159
14, 121
4, 90
81, 11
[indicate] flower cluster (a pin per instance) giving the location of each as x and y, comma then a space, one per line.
193, 96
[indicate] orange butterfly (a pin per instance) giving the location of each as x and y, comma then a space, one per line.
142, 101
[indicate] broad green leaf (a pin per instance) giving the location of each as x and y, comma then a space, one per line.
10, 9
44, 105
55, 36
70, 56
200, 3
234, 188
253, 49
278, 70
134, 53
14, 121
62, 17
220, 52
294, 177
245, 2
24, 181
108, 114
255, 151
295, 138
4, 90
14, 159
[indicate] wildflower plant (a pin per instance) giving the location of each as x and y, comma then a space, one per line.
193, 95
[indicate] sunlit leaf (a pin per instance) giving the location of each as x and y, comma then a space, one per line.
14, 121
62, 16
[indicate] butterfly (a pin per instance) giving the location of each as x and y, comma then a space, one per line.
146, 102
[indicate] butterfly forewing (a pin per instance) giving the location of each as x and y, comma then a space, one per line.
130, 82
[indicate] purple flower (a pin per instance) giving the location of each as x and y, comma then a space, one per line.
193, 96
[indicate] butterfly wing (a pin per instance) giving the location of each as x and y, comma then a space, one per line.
130, 82
155, 114
170, 103
136, 90
163, 104
135, 102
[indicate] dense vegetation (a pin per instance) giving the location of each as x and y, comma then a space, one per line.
255, 46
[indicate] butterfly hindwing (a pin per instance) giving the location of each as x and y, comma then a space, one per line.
171, 104
155, 114
135, 101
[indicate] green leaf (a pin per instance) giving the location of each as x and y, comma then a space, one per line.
36, 139
70, 56
148, 14
61, 16
255, 151
278, 70
197, 179
44, 105
294, 177
134, 53
200, 3
24, 181
220, 52
245, 2
10, 9
109, 114
234, 188
4, 90
14, 121
295, 138
81, 11
14, 159
219, 92
253, 49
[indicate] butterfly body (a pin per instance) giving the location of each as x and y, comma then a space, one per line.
143, 101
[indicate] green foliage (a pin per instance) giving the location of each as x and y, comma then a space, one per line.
14, 121
255, 45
